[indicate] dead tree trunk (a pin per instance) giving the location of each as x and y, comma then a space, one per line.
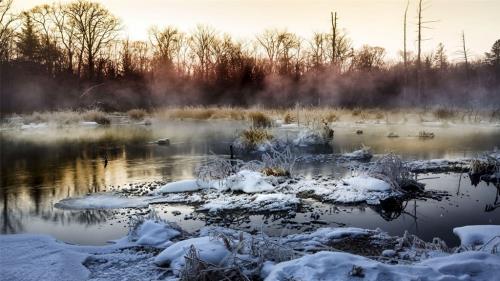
419, 51
334, 37
466, 60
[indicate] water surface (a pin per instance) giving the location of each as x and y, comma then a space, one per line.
39, 167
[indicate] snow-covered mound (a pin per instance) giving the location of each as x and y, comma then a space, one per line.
101, 201
308, 137
438, 165
357, 189
344, 266
209, 250
361, 154
154, 234
472, 236
180, 186
33, 126
248, 182
39, 257
268, 202
245, 180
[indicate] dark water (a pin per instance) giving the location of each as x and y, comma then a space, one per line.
40, 167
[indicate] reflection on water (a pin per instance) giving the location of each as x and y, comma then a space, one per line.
41, 167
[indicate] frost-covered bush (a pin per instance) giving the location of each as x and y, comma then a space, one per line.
392, 170
277, 162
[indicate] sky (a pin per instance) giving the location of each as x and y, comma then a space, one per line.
373, 22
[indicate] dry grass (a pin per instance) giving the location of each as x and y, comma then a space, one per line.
311, 116
288, 118
97, 116
264, 117
444, 113
252, 137
260, 120
137, 114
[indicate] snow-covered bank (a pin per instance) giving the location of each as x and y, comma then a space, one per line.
345, 266
306, 256
39, 257
246, 190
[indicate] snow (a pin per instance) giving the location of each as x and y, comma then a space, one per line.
179, 186
437, 165
248, 182
258, 203
367, 183
155, 234
101, 201
89, 123
361, 154
39, 257
308, 137
477, 235
209, 250
361, 188
339, 266
324, 235
31, 126
245, 180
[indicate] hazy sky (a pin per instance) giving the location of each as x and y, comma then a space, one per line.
374, 22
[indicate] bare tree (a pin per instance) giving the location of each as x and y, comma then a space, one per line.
270, 41
166, 43
405, 52
288, 44
66, 33
7, 21
96, 27
334, 36
317, 50
201, 42
465, 55
369, 58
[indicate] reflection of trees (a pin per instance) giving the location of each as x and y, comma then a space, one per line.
12, 217
496, 203
88, 217
475, 179
11, 222
392, 208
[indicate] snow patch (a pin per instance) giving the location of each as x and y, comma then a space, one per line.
477, 235
343, 266
39, 257
209, 250
155, 234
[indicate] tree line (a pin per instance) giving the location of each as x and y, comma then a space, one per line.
74, 55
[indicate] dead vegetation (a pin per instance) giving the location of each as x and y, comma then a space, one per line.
279, 163
426, 135
97, 116
443, 113
392, 170
260, 120
137, 114
252, 138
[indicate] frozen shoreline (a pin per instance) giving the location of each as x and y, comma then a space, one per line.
156, 249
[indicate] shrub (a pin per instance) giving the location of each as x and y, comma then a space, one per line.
136, 114
97, 116
288, 119
444, 113
259, 119
255, 136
